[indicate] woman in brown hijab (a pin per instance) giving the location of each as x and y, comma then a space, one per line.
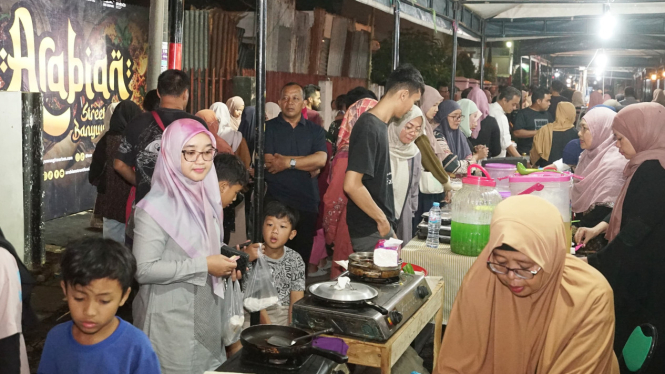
223, 146
526, 306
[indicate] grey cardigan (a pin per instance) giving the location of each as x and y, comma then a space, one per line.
164, 307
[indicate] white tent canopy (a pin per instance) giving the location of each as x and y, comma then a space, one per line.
498, 9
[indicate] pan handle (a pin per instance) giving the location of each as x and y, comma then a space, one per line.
379, 308
330, 355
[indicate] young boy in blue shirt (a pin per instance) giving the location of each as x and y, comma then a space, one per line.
96, 279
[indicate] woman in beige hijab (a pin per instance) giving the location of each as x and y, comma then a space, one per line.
526, 306
659, 96
551, 139
236, 105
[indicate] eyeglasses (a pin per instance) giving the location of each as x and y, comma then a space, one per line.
192, 156
457, 118
520, 273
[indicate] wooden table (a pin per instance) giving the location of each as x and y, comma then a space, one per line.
385, 355
440, 262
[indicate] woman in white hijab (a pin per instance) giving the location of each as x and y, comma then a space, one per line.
229, 134
405, 163
272, 110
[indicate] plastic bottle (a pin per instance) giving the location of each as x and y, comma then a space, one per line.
433, 226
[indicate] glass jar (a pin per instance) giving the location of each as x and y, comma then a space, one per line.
472, 210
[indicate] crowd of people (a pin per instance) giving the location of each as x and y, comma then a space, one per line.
169, 183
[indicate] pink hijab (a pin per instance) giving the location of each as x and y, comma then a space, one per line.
601, 164
480, 99
596, 98
643, 125
190, 212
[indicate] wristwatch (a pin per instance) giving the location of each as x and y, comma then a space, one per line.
293, 163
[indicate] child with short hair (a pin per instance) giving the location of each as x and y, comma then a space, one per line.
287, 266
232, 176
96, 279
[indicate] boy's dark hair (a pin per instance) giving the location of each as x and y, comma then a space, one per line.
557, 86
406, 76
357, 94
172, 82
465, 93
281, 92
310, 90
629, 92
89, 259
538, 94
230, 169
443, 83
508, 93
279, 211
151, 101
339, 102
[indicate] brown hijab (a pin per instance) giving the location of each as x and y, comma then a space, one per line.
542, 142
566, 326
643, 125
210, 119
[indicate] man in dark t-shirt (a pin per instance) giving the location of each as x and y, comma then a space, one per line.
556, 90
529, 120
368, 182
142, 141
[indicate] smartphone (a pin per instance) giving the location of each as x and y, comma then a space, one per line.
242, 261
245, 244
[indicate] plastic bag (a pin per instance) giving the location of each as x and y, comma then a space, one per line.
260, 292
233, 317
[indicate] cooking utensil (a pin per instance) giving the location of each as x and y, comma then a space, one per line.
535, 187
281, 341
254, 340
361, 264
354, 294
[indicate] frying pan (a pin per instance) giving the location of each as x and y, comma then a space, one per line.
254, 338
356, 294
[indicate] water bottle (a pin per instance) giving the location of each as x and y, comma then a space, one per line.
433, 226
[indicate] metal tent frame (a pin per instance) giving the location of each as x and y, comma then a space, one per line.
487, 21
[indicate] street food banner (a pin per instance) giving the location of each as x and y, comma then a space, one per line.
82, 55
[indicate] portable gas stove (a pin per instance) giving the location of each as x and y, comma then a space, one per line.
311, 364
402, 298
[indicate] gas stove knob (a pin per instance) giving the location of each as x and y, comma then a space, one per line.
395, 317
422, 292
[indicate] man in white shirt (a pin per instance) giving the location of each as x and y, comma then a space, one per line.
507, 101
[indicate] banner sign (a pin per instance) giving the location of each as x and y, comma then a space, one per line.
82, 55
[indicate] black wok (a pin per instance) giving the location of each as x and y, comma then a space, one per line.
254, 338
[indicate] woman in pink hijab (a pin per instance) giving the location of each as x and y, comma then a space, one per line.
596, 98
633, 260
177, 248
602, 166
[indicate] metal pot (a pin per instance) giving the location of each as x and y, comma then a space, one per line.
355, 294
254, 338
361, 264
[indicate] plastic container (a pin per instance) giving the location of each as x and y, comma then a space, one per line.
556, 190
500, 173
472, 210
433, 226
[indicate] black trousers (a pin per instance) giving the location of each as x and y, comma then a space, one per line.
306, 228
